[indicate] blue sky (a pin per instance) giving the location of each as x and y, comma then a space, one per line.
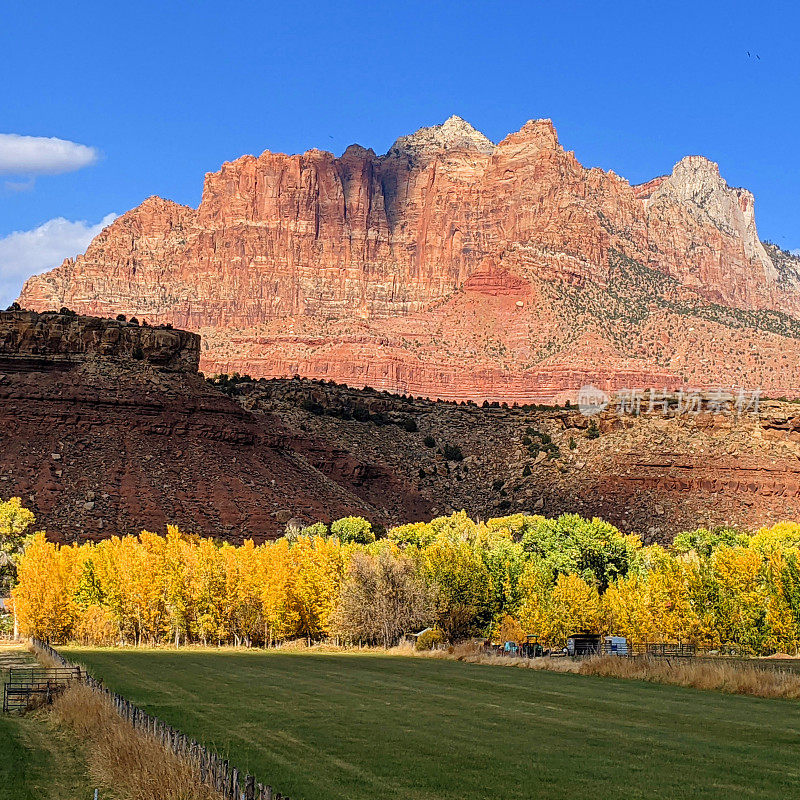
165, 92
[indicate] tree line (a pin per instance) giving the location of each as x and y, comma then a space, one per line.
506, 577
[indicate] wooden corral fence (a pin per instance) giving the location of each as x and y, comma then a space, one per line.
654, 650
214, 771
28, 686
662, 650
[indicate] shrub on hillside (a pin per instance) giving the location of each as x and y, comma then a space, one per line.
409, 424
356, 530
452, 452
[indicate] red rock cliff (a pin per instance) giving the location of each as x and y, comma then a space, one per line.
456, 268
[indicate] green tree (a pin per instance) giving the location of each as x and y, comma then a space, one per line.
571, 545
462, 586
704, 541
15, 520
355, 530
505, 561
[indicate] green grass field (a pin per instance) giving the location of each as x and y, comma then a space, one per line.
370, 726
37, 761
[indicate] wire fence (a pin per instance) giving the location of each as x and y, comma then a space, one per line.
213, 771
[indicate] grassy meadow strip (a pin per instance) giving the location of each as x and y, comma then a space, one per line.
38, 759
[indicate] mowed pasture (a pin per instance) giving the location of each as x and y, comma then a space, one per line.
363, 726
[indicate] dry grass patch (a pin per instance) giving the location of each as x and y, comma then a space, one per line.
123, 760
700, 674
695, 673
44, 658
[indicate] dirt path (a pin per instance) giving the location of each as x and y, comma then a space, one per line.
37, 761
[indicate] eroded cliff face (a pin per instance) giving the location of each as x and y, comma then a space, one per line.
455, 268
31, 340
106, 429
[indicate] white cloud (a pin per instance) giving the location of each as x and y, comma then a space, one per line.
21, 186
42, 155
25, 253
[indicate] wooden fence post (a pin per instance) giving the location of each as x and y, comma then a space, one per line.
226, 777
249, 788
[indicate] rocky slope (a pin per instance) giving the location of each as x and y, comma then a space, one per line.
654, 474
455, 268
106, 428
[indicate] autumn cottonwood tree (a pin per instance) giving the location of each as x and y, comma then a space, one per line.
381, 599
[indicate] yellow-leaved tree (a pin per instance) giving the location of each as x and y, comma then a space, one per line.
575, 606
316, 567
43, 598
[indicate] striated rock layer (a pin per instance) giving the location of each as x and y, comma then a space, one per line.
107, 428
455, 268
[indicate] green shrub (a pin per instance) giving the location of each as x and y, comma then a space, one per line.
353, 529
593, 432
429, 639
526, 470
572, 443
429, 441
361, 414
315, 529
409, 424
312, 406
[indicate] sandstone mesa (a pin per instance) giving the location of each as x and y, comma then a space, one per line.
455, 268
